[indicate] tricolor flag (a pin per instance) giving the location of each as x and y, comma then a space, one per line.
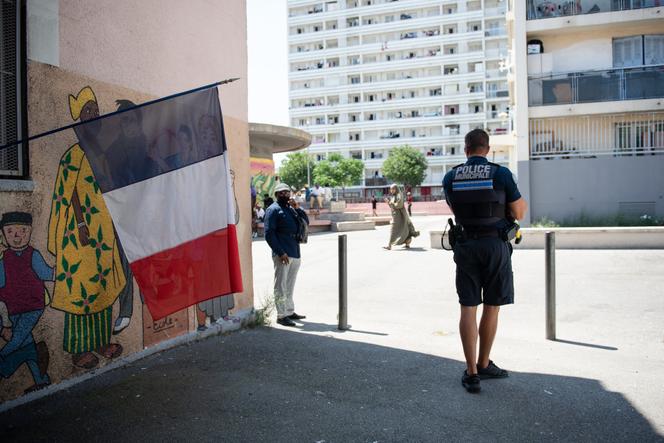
163, 170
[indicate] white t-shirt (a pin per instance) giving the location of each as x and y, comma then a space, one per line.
315, 191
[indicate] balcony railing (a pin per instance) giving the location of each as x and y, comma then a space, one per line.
539, 9
495, 32
597, 86
378, 181
631, 134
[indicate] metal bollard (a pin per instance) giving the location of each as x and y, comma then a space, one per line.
343, 284
550, 264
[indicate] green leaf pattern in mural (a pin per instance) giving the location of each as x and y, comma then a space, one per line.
86, 300
70, 235
59, 198
88, 210
66, 165
90, 179
98, 244
67, 272
100, 276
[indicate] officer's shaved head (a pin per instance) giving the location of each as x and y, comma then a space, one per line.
477, 142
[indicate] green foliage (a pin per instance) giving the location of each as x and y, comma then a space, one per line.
545, 222
587, 221
337, 171
263, 315
406, 166
293, 170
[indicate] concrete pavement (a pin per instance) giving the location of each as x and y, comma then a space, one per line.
396, 375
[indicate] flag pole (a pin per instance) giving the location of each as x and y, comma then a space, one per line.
151, 102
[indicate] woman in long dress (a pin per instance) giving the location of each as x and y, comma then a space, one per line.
402, 231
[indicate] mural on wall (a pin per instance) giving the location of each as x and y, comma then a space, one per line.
23, 298
91, 271
156, 331
263, 179
87, 280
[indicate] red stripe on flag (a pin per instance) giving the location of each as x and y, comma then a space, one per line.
190, 273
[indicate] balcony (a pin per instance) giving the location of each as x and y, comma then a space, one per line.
597, 86
376, 181
495, 32
589, 136
564, 8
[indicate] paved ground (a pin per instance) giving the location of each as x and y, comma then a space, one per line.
419, 208
395, 376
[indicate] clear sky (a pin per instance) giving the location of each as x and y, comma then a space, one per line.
267, 42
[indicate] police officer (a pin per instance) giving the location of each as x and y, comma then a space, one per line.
485, 201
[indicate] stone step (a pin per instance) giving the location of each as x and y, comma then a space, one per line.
346, 226
380, 221
342, 216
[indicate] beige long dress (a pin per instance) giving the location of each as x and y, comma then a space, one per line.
402, 230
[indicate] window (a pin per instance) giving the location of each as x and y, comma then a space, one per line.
653, 46
638, 50
627, 52
13, 106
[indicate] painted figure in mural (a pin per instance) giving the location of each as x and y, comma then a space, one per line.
217, 308
23, 298
90, 266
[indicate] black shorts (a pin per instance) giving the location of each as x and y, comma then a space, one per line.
484, 272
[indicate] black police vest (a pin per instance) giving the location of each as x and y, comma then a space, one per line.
474, 198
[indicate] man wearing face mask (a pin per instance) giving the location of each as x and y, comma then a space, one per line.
281, 233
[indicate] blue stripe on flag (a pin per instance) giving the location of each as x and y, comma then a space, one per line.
154, 139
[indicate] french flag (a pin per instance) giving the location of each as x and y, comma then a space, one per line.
163, 170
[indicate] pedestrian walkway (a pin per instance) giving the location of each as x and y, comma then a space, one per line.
395, 376
419, 208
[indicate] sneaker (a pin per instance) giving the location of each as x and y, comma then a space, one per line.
286, 322
491, 371
295, 316
471, 382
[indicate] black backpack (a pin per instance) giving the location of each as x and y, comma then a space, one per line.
302, 227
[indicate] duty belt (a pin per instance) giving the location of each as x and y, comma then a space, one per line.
486, 233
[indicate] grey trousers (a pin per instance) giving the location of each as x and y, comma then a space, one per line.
284, 283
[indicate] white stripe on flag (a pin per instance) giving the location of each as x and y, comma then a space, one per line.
170, 209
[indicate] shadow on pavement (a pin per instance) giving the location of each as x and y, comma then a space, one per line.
413, 249
588, 345
324, 327
278, 385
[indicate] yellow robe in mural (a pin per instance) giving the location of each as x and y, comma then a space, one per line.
88, 278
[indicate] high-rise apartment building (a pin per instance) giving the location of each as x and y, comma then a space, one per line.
587, 83
368, 75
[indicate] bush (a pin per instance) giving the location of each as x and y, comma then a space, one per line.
588, 221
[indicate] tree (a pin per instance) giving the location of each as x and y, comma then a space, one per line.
337, 171
406, 166
293, 170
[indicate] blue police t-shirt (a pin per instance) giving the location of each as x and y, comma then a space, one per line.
503, 180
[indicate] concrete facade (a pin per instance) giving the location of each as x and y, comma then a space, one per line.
368, 76
607, 186
134, 51
588, 108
